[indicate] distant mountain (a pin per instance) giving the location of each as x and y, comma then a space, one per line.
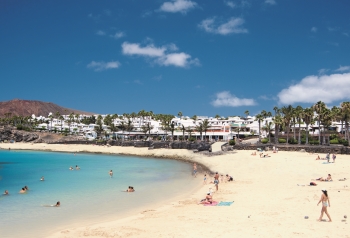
29, 107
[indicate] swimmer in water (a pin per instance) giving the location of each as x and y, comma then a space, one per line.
71, 168
23, 190
57, 204
6, 192
111, 173
42, 178
130, 189
26, 188
77, 167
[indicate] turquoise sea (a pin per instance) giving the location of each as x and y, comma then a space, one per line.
88, 194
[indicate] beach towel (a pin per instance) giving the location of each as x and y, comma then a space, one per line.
225, 203
214, 203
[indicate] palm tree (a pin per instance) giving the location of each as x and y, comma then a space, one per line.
51, 119
345, 108
199, 128
183, 131
189, 130
246, 113
180, 114
205, 127
307, 118
71, 119
287, 111
259, 118
268, 128
319, 108
278, 121
299, 115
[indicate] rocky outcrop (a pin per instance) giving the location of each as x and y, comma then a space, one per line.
10, 134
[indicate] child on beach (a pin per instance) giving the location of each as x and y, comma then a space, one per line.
205, 179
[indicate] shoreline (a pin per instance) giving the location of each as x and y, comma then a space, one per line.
268, 200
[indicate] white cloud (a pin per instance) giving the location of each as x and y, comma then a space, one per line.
323, 71
271, 2
118, 35
343, 68
314, 29
136, 49
233, 25
100, 66
225, 99
178, 6
161, 54
100, 33
230, 4
326, 88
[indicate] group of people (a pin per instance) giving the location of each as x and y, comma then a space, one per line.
76, 168
23, 190
130, 189
328, 156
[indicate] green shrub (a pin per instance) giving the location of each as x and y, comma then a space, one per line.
314, 142
303, 141
192, 139
333, 136
334, 141
293, 141
264, 141
345, 142
281, 140
232, 142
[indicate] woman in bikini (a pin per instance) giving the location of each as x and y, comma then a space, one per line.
325, 203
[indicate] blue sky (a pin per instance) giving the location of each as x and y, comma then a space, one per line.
202, 57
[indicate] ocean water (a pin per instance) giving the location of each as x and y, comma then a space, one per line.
88, 194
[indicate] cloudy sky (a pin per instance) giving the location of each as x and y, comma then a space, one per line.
202, 57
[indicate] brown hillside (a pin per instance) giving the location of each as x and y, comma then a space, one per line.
28, 107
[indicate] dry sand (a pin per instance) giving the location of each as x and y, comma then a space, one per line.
268, 202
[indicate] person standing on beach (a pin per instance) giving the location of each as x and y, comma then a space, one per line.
195, 170
205, 179
216, 181
334, 157
325, 203
328, 157
111, 173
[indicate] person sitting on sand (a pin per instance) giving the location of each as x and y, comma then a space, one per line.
42, 178
329, 178
58, 204
229, 178
23, 190
6, 192
313, 184
207, 200
318, 157
254, 153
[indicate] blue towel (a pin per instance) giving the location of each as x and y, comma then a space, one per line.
224, 204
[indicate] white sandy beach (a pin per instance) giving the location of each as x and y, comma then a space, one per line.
267, 199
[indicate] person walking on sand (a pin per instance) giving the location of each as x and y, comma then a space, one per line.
205, 179
334, 157
325, 203
195, 170
328, 157
111, 173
